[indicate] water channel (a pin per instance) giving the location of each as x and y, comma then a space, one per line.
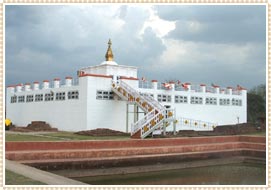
230, 174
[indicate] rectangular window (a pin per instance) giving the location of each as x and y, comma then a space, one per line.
49, 96
104, 95
236, 102
13, 99
164, 98
20, 98
211, 101
180, 99
38, 97
196, 100
146, 94
60, 96
73, 94
224, 101
29, 98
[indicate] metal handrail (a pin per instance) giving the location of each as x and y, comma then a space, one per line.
138, 125
137, 95
195, 123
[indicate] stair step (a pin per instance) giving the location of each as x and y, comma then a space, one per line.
98, 153
96, 144
135, 160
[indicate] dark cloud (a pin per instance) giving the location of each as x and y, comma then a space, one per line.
216, 24
219, 44
62, 39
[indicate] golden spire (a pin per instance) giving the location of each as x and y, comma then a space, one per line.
109, 54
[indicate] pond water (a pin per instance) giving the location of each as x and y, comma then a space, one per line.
233, 174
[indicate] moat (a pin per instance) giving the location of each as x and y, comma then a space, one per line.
230, 174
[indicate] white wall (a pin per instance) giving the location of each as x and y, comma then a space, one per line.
220, 114
118, 70
104, 113
68, 114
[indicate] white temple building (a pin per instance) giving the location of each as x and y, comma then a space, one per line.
112, 96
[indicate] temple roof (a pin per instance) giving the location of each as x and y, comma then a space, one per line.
109, 56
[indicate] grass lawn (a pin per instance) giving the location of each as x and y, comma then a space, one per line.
70, 136
17, 179
260, 133
56, 136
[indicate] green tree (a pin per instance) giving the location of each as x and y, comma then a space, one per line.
256, 103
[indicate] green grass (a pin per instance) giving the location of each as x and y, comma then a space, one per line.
57, 136
260, 133
72, 136
28, 137
17, 179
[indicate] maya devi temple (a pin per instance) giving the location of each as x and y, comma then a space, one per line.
112, 96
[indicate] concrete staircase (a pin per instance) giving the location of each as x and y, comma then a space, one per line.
123, 153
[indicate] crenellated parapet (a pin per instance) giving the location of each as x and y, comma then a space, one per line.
193, 88
46, 84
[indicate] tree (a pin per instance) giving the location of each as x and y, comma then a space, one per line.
256, 103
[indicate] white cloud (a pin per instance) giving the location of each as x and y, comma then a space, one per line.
191, 53
159, 26
174, 45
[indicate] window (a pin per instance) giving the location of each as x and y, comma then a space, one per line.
164, 98
73, 94
224, 101
104, 95
180, 99
49, 96
13, 99
20, 98
236, 102
211, 101
196, 100
60, 96
38, 97
29, 98
146, 94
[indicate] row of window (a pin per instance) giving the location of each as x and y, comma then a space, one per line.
199, 100
180, 99
108, 95
146, 94
104, 95
224, 101
236, 102
163, 98
195, 99
45, 97
210, 101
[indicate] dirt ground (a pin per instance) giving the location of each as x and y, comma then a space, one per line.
102, 132
40, 126
34, 126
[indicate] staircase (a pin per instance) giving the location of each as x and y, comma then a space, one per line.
156, 114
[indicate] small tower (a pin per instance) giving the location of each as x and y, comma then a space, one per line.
109, 54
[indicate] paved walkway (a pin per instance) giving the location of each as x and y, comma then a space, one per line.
39, 175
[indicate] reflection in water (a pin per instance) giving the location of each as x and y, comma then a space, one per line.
234, 174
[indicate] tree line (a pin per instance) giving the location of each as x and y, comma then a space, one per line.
256, 103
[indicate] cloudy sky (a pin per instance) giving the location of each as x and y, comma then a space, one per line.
221, 44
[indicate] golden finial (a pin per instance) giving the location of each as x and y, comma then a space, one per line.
109, 54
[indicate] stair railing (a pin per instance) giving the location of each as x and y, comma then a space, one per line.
148, 105
158, 119
138, 125
155, 112
196, 124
